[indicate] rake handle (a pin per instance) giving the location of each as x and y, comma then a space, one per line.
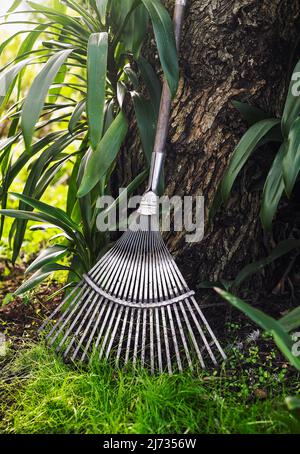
158, 153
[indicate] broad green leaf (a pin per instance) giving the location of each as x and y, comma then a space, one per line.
76, 115
152, 82
273, 190
291, 159
8, 76
48, 255
135, 30
35, 99
106, 153
267, 323
97, 68
250, 113
292, 103
147, 121
101, 6
58, 82
284, 247
39, 277
165, 40
248, 143
291, 321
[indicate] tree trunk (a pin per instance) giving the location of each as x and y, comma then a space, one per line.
231, 49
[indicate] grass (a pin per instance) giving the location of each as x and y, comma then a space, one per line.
43, 395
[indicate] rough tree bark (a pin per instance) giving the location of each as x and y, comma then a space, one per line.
231, 49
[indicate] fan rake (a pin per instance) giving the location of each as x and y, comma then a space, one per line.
135, 305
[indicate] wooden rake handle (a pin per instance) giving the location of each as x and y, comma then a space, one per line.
165, 109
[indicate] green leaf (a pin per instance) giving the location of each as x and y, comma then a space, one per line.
152, 82
291, 321
147, 121
273, 190
97, 68
267, 323
35, 99
292, 103
76, 115
291, 159
293, 403
49, 210
102, 7
136, 29
39, 277
8, 77
165, 40
284, 247
49, 255
248, 143
250, 113
106, 153
14, 6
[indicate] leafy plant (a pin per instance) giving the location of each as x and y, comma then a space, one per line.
283, 248
89, 58
285, 168
280, 330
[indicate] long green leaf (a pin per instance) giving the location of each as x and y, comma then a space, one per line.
48, 255
106, 153
291, 321
273, 190
147, 121
47, 209
165, 40
97, 67
292, 103
291, 159
8, 76
76, 115
152, 82
267, 323
250, 113
248, 143
284, 247
35, 99
101, 6
39, 277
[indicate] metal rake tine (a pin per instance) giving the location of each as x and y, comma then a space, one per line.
122, 335
108, 329
137, 332
103, 307
209, 328
59, 307
80, 325
69, 311
121, 310
191, 333
162, 297
67, 333
201, 333
86, 328
129, 335
170, 286
144, 336
109, 307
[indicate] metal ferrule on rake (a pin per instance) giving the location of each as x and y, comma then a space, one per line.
134, 305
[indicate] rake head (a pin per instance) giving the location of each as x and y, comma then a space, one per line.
134, 305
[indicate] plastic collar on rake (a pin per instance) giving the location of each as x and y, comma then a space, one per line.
136, 304
149, 204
